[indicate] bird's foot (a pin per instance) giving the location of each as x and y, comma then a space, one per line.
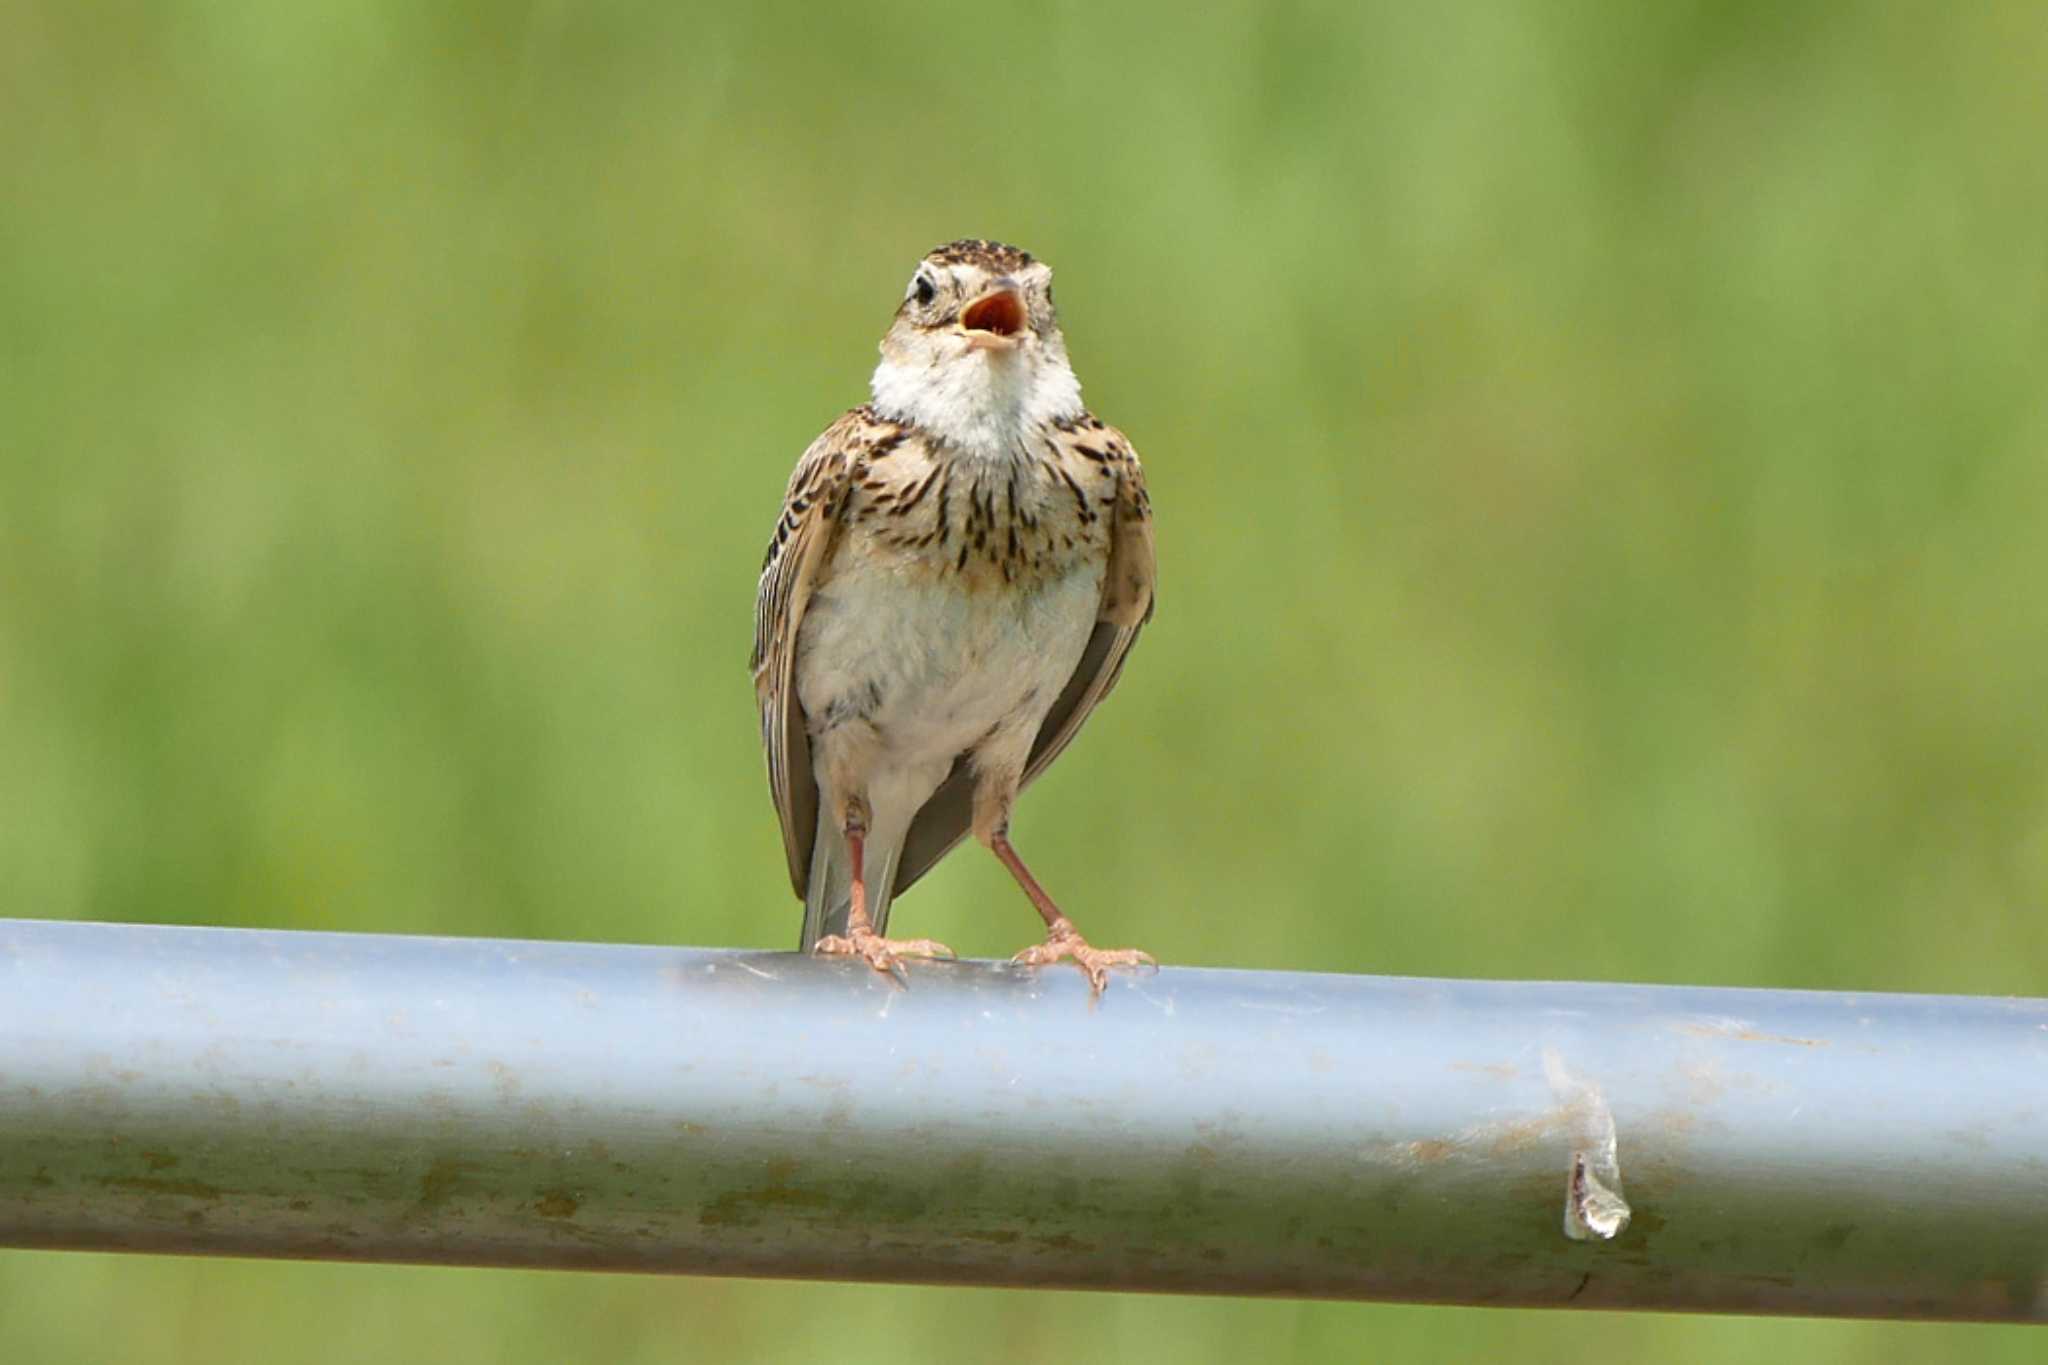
1065, 941
883, 954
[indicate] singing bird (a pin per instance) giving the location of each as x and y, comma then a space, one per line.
960, 570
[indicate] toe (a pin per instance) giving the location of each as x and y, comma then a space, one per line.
869, 949
1094, 963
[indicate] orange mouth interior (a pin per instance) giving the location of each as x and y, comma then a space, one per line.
1001, 313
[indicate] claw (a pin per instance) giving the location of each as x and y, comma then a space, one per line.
1094, 962
883, 954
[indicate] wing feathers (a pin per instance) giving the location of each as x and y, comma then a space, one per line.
797, 556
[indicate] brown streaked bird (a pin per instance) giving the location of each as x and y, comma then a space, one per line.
960, 570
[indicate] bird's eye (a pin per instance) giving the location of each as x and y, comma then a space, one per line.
923, 290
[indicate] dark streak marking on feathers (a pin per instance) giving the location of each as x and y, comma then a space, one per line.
916, 494
1087, 513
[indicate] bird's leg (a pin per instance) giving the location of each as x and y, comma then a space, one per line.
1062, 939
860, 939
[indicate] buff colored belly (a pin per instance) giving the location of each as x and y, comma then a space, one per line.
936, 668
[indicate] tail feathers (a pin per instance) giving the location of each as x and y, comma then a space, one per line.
830, 899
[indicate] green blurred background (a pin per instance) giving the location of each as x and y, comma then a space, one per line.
1599, 457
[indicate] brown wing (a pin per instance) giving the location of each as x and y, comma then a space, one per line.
1127, 598
797, 556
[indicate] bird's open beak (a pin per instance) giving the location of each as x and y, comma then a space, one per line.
996, 321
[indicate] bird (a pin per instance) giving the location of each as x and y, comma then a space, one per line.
960, 569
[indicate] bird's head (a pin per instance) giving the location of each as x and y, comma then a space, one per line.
975, 353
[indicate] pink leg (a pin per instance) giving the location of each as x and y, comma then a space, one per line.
1062, 939
860, 939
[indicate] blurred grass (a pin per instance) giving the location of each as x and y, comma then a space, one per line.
1598, 449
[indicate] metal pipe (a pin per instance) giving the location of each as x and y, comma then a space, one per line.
657, 1109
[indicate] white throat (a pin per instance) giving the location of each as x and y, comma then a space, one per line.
986, 405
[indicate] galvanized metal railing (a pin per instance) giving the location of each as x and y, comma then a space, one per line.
656, 1109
